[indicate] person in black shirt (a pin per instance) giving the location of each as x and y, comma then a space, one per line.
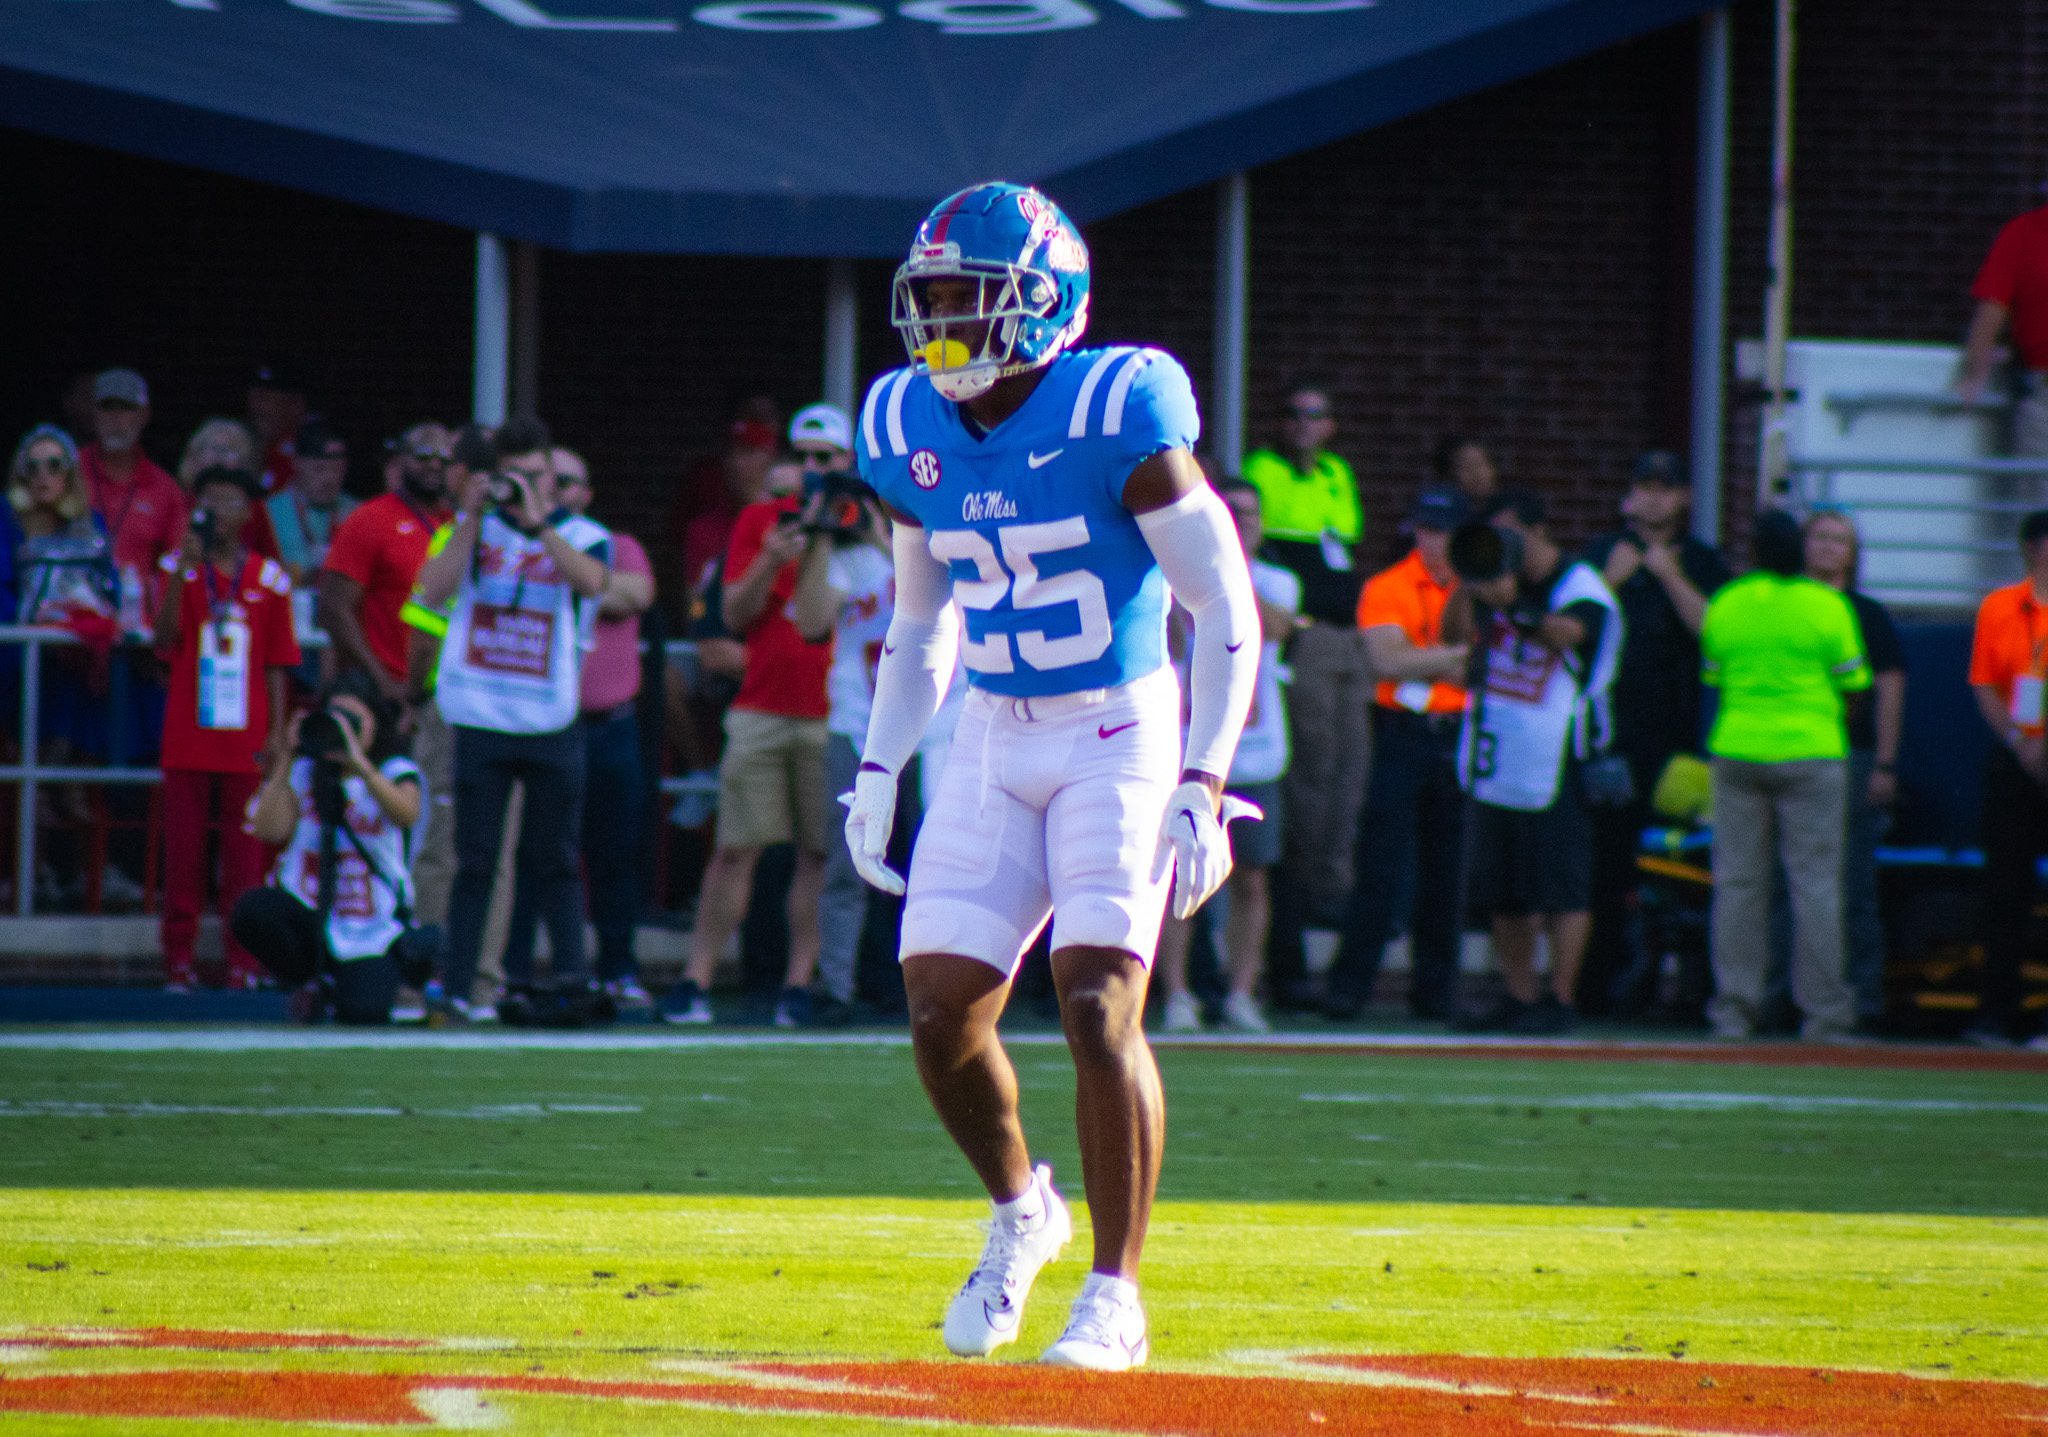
1875, 718
1662, 577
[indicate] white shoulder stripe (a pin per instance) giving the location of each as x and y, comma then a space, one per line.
1078, 429
1113, 411
897, 443
867, 417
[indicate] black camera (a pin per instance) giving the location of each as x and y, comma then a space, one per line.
320, 734
506, 492
844, 513
203, 526
1481, 553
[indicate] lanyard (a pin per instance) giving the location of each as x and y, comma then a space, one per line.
216, 606
103, 482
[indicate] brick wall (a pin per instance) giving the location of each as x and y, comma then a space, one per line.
1515, 264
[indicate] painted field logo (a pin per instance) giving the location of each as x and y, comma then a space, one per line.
1327, 1395
924, 469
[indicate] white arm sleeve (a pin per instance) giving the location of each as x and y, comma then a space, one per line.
1196, 545
917, 655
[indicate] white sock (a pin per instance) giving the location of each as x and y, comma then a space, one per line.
1024, 1211
1104, 1284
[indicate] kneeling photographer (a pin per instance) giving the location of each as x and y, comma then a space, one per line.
334, 924
1545, 636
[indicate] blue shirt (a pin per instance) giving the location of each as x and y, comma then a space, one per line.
1058, 587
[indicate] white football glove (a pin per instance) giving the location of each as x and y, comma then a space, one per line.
870, 815
1193, 840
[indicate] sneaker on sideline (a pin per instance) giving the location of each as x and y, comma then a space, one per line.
989, 1308
1106, 1332
793, 1008
1241, 1014
1987, 1035
629, 997
1183, 1013
685, 1003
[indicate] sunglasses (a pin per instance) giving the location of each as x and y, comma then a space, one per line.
58, 465
432, 456
1306, 415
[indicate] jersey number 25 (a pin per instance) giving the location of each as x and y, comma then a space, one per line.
1016, 576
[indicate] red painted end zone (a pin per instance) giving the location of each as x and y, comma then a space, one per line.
1327, 1396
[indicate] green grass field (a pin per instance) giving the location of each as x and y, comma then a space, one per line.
762, 1238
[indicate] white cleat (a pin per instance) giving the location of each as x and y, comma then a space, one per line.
1106, 1332
1241, 1014
990, 1308
1183, 1013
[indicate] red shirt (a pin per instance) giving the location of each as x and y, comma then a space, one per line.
2015, 274
381, 546
784, 674
145, 517
256, 612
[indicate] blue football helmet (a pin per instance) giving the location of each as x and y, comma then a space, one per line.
1031, 268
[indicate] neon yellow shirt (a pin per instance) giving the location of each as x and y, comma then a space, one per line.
419, 615
1304, 506
1782, 652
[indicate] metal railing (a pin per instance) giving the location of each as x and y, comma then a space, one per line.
1984, 547
30, 772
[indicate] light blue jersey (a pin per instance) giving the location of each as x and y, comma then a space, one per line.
1058, 586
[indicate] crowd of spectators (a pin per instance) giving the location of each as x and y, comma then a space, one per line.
421, 713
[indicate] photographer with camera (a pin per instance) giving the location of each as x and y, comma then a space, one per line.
525, 576
335, 922
225, 628
1545, 634
845, 594
771, 779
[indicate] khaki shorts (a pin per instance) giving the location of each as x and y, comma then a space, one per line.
771, 782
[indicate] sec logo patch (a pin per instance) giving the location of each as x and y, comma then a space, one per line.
924, 469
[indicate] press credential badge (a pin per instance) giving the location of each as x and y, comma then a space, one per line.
224, 675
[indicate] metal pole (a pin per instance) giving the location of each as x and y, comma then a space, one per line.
1772, 482
1710, 278
1233, 298
25, 820
526, 328
493, 330
841, 335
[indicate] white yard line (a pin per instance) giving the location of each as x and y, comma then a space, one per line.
1682, 1102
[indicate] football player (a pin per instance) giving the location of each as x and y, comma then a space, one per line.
1046, 502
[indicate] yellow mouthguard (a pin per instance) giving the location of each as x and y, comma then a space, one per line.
946, 354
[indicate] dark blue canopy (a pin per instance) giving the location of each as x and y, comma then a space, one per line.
756, 126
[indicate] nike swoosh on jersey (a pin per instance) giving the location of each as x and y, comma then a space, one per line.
1233, 648
1039, 461
1101, 732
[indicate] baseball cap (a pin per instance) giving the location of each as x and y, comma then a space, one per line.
317, 439
1439, 508
120, 386
1659, 466
822, 424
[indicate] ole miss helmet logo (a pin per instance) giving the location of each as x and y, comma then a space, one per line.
924, 469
